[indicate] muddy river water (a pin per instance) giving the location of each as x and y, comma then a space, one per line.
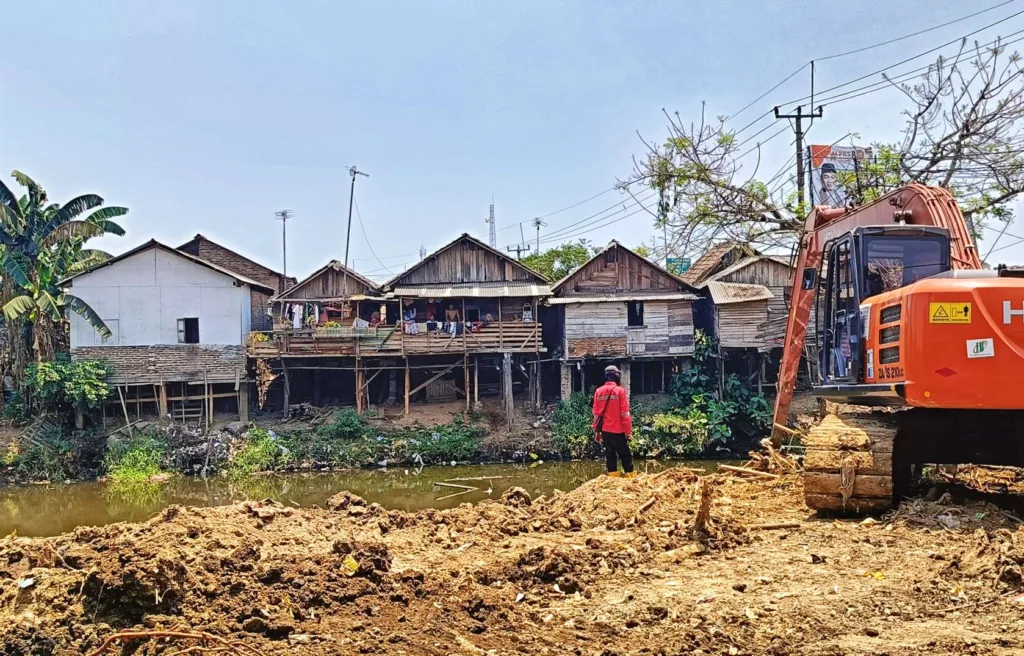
42, 510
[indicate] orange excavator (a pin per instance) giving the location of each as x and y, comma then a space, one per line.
908, 322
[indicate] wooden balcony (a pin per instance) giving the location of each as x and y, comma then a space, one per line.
510, 337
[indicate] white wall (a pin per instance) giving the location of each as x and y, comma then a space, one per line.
142, 297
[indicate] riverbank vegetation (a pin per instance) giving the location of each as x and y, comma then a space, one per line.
694, 420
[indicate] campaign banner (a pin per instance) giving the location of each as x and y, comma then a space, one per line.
828, 166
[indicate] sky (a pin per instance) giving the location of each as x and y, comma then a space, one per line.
206, 116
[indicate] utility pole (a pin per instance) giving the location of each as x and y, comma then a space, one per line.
537, 223
494, 227
283, 216
353, 171
798, 128
519, 249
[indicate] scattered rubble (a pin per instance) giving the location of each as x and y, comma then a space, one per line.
599, 570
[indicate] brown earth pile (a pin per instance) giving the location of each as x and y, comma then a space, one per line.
614, 567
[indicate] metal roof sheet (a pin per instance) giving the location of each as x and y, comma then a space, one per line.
514, 289
628, 296
723, 293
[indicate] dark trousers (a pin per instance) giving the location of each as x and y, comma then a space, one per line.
616, 447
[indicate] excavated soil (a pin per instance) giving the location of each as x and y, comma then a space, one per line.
614, 567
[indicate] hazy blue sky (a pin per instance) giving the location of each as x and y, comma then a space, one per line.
207, 116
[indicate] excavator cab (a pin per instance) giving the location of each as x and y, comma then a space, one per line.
857, 266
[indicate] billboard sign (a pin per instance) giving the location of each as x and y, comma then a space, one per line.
678, 265
828, 163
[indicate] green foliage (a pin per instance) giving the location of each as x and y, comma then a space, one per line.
134, 460
260, 452
48, 452
456, 440
63, 385
571, 426
556, 263
643, 251
347, 425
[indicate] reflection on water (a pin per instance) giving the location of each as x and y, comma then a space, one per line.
51, 510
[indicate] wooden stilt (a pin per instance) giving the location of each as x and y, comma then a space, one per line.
476, 381
207, 401
761, 375
407, 384
465, 372
243, 400
287, 388
506, 371
124, 407
162, 390
360, 374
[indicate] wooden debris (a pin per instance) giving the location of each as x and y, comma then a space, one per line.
772, 527
745, 470
701, 523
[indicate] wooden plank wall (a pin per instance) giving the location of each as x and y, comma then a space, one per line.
618, 270
668, 329
739, 324
680, 327
776, 276
329, 284
466, 261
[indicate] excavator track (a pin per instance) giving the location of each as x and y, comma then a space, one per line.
848, 466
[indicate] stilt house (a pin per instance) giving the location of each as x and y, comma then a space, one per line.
620, 308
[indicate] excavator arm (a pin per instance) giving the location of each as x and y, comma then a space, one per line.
915, 204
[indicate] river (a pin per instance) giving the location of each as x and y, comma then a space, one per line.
44, 510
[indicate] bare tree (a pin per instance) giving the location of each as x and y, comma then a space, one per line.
963, 132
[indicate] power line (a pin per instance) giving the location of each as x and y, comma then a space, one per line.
593, 218
362, 228
891, 66
907, 36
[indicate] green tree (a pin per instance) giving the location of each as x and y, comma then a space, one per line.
556, 263
41, 243
644, 251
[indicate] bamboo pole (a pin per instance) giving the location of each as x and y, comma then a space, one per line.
407, 387
476, 380
124, 407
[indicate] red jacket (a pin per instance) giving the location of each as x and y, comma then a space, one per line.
616, 418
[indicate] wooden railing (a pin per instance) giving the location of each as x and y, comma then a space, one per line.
512, 337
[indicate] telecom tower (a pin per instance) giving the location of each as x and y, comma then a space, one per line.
494, 227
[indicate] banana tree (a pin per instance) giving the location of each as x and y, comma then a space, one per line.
41, 243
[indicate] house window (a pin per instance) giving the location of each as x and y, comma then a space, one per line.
634, 314
188, 331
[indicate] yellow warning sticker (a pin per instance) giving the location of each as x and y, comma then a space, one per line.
949, 313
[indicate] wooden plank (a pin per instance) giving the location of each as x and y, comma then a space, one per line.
865, 485
435, 377
407, 386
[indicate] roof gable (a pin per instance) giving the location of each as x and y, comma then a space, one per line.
193, 248
617, 269
715, 258
331, 281
151, 244
465, 260
746, 262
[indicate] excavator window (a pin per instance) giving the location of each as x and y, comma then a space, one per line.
897, 261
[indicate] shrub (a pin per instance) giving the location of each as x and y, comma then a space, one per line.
134, 460
347, 424
260, 452
64, 385
456, 440
571, 429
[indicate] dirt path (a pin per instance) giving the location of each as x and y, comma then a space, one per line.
602, 570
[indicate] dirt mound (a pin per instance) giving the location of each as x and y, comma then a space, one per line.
616, 566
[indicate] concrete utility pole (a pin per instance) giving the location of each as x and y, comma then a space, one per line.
537, 223
283, 216
798, 128
353, 171
519, 249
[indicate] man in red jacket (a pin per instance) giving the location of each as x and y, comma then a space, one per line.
613, 424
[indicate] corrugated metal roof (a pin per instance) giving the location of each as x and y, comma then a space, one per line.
747, 261
515, 289
630, 296
723, 293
